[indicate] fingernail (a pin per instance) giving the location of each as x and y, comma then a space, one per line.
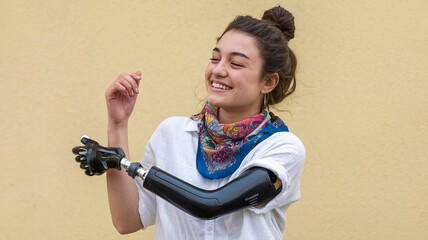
137, 91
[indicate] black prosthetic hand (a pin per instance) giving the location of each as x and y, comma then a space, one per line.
96, 159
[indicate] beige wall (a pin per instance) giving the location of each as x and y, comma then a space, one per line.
361, 107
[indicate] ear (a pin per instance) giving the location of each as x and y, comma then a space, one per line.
270, 82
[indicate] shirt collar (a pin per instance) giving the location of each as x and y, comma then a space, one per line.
192, 126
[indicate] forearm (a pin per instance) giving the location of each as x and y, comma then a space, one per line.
122, 192
254, 187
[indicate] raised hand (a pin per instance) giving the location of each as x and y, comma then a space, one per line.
121, 96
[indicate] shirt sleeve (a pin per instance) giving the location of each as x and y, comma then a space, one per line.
146, 199
283, 154
155, 155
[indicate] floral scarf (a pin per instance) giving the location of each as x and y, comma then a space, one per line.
222, 147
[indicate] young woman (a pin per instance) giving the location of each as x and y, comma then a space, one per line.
251, 68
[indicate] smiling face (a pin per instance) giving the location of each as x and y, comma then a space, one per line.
234, 77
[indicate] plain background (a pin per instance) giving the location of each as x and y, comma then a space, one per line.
361, 107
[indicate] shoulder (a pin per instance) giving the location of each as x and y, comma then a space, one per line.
171, 130
176, 124
282, 150
285, 142
181, 122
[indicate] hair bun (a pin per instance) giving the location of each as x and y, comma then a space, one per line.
282, 19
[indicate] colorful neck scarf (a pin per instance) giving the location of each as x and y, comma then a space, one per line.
222, 147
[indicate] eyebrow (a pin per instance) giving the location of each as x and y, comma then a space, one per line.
233, 53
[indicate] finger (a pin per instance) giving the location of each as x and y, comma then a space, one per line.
86, 140
123, 87
89, 173
120, 88
83, 166
132, 83
137, 76
79, 150
80, 158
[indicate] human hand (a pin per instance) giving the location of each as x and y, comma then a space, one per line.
121, 96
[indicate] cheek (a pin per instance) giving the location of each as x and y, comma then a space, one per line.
208, 71
207, 76
249, 84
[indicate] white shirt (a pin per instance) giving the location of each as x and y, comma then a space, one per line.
173, 147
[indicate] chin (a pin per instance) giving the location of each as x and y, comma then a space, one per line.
219, 101
214, 103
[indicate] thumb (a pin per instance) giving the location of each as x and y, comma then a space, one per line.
137, 76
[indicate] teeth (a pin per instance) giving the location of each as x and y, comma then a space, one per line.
221, 86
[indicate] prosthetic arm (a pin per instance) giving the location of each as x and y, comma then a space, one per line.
253, 187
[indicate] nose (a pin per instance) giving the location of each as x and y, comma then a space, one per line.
219, 70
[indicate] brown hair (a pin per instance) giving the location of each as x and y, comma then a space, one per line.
272, 33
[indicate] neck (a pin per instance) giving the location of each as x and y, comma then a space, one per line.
228, 116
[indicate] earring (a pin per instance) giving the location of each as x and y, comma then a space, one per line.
265, 106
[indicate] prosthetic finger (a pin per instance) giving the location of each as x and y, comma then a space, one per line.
89, 173
79, 150
83, 166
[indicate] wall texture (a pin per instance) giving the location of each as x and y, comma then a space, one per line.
361, 107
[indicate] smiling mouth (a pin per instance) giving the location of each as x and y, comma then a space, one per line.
220, 86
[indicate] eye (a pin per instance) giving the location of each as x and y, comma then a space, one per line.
214, 60
237, 65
